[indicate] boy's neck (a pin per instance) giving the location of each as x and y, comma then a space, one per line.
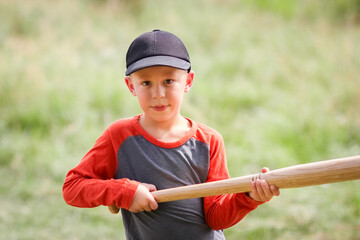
166, 131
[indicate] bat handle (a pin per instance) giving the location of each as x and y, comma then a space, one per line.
113, 209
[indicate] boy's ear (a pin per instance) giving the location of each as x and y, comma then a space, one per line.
189, 81
130, 85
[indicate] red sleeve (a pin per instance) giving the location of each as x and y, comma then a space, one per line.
91, 183
224, 211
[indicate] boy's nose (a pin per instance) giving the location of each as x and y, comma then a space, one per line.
158, 92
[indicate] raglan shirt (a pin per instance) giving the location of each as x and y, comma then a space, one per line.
125, 155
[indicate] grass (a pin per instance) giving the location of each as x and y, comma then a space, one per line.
278, 81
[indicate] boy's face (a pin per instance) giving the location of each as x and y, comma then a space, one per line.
160, 90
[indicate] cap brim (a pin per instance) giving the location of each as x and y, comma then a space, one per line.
157, 61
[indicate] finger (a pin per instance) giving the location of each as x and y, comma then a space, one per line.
149, 187
152, 188
265, 170
254, 193
265, 187
153, 205
260, 190
275, 190
147, 208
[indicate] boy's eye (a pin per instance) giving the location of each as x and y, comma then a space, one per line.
169, 81
145, 83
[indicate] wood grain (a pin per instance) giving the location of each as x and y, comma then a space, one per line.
303, 175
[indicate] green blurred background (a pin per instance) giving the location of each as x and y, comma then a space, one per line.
278, 79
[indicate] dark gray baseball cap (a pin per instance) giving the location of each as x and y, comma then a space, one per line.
157, 48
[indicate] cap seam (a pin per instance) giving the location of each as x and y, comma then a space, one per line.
154, 44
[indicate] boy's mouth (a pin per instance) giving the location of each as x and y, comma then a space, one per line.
159, 107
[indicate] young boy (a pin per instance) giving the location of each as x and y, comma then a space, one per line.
160, 149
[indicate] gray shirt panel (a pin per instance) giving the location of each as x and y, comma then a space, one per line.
141, 160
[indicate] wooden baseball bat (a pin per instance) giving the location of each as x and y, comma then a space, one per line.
303, 175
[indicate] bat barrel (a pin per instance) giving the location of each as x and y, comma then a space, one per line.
317, 173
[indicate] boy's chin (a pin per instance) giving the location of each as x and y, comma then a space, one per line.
160, 116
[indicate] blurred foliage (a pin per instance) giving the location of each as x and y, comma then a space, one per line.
337, 11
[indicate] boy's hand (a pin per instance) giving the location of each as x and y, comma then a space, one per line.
144, 200
261, 191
